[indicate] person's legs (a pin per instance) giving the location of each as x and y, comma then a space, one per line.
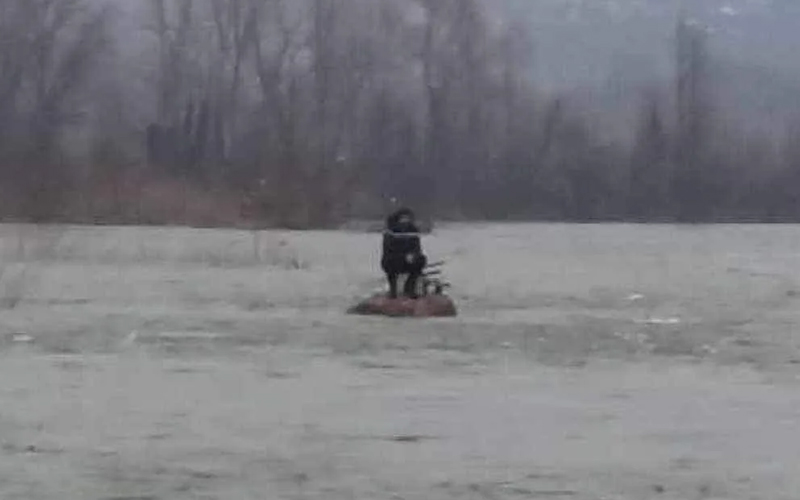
410, 286
392, 279
389, 267
414, 270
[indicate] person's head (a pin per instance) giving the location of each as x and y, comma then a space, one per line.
405, 216
401, 218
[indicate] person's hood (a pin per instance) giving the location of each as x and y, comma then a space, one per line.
393, 221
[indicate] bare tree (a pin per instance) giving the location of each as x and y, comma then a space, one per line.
650, 166
52, 47
691, 181
311, 109
234, 41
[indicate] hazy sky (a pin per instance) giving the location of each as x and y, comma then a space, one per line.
585, 40
581, 42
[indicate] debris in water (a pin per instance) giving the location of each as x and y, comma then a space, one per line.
661, 321
190, 335
410, 438
640, 338
131, 338
708, 349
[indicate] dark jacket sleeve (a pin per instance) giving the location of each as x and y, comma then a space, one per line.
387, 243
414, 245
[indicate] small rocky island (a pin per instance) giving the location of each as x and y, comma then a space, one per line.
426, 306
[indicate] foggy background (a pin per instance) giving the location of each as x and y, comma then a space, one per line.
306, 113
587, 361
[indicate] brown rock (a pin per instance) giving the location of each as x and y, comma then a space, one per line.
429, 306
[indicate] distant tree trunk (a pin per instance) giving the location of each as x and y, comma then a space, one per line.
649, 181
692, 185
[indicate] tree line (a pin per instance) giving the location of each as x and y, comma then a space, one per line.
303, 113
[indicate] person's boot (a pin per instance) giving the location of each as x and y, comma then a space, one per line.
410, 288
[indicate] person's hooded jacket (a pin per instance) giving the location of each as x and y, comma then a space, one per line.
401, 238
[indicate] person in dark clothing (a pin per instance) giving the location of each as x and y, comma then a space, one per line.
402, 252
